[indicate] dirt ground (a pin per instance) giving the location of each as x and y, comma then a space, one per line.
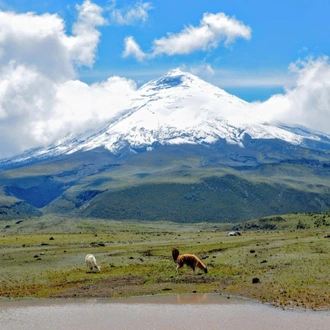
129, 285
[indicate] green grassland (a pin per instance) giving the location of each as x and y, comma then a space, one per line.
43, 257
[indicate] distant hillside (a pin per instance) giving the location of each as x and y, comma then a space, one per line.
182, 184
216, 199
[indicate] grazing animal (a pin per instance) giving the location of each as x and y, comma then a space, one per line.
187, 259
91, 263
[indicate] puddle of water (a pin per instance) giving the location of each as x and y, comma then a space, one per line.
193, 312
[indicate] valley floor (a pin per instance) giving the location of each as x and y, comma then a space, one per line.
44, 258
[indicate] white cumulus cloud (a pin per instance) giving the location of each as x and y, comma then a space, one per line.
133, 49
83, 44
213, 30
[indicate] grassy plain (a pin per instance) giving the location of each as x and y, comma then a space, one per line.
44, 258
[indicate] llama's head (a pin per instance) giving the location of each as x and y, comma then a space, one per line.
97, 268
175, 254
205, 270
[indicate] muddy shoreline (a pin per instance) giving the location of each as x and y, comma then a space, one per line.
188, 298
165, 298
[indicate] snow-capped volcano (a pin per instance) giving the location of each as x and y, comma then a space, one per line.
178, 108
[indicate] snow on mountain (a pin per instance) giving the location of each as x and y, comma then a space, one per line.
181, 108
178, 108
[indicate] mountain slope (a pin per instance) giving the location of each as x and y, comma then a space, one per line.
183, 151
178, 108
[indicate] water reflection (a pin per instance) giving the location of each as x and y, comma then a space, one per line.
191, 299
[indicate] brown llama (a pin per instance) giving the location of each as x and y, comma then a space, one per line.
187, 259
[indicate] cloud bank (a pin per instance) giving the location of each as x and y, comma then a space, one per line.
40, 98
307, 103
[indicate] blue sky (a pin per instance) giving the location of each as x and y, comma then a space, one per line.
269, 52
281, 33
